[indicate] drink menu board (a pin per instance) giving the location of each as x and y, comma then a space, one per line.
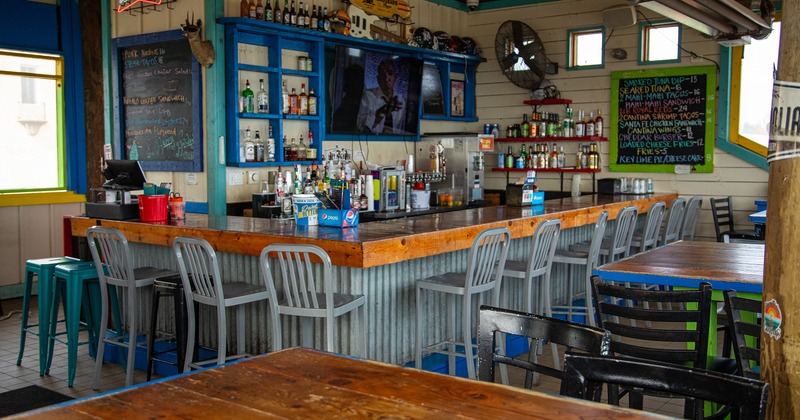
157, 97
662, 120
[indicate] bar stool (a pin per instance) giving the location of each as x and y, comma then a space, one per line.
169, 287
301, 297
672, 229
71, 283
202, 283
114, 263
485, 264
647, 237
43, 270
619, 244
690, 217
589, 260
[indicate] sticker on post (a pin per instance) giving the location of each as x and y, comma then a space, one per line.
784, 133
772, 319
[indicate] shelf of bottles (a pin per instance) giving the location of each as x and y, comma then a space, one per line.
546, 139
585, 170
273, 113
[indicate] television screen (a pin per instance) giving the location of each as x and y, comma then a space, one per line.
375, 93
124, 175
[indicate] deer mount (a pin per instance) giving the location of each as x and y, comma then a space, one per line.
202, 50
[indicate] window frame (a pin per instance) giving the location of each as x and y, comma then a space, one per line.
571, 53
643, 48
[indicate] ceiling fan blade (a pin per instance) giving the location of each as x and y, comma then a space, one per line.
508, 61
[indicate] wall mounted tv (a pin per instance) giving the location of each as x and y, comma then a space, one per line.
374, 93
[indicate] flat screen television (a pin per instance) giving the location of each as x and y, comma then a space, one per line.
374, 93
124, 175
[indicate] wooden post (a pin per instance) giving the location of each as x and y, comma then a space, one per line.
780, 359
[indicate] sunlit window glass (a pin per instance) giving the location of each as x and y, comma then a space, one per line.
587, 48
759, 61
661, 42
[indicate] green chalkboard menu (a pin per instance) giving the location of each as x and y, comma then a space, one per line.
662, 120
157, 102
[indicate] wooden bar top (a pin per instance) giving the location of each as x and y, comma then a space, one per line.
302, 383
375, 243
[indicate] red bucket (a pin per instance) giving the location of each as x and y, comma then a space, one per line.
153, 208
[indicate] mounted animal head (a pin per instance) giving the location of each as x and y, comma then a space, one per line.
202, 50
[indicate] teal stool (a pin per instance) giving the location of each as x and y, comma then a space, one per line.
71, 283
43, 270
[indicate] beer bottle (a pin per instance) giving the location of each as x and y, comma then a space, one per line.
301, 18
268, 12
510, 158
252, 9
259, 10
314, 19
293, 15
525, 127
287, 13
277, 13
244, 9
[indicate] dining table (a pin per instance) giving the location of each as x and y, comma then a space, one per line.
305, 383
686, 264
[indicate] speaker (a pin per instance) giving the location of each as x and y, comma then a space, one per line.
619, 17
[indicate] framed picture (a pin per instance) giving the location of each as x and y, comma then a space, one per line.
457, 98
432, 98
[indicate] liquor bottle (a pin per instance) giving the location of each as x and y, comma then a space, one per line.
578, 155
268, 11
293, 150
294, 103
567, 124
277, 13
262, 99
523, 152
270, 146
279, 183
585, 156
249, 147
286, 150
259, 148
301, 149
285, 98
580, 125
311, 151
510, 158
561, 157
314, 19
287, 13
589, 129
252, 9
326, 22
248, 99
542, 156
593, 158
259, 10
529, 158
301, 18
244, 9
312, 103
543, 124
302, 101
525, 127
598, 124
293, 15
554, 157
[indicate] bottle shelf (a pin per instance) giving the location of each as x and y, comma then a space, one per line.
276, 163
259, 116
257, 68
548, 139
552, 101
556, 170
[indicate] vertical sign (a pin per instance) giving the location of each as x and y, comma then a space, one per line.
662, 120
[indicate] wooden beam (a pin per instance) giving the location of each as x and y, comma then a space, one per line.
780, 358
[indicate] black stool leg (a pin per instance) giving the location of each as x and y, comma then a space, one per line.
180, 327
153, 325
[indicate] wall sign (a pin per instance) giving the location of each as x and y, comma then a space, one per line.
157, 102
662, 120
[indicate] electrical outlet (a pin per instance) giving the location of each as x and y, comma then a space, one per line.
253, 177
235, 178
191, 178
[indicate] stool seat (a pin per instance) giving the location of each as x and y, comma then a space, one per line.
70, 282
43, 269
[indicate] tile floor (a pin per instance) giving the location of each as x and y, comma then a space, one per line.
113, 376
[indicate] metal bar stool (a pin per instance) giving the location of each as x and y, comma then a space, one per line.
43, 270
169, 287
71, 282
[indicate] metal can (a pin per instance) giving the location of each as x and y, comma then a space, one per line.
487, 129
496, 130
309, 64
301, 63
501, 160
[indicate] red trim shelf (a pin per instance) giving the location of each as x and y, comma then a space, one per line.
553, 101
548, 139
586, 170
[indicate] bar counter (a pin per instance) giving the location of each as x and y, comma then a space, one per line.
381, 260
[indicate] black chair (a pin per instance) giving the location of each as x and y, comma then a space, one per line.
722, 210
666, 339
742, 398
747, 357
496, 320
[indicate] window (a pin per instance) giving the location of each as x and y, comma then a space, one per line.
752, 73
659, 42
585, 48
32, 145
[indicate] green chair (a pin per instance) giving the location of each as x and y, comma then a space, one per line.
43, 270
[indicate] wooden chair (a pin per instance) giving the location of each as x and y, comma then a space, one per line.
722, 210
747, 357
574, 336
742, 398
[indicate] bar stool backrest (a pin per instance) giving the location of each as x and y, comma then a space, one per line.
487, 259
593, 256
543, 247
690, 217
199, 269
674, 220
111, 256
623, 233
652, 224
298, 279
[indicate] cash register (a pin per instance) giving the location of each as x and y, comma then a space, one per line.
114, 200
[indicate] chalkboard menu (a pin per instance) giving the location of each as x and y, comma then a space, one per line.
662, 120
157, 100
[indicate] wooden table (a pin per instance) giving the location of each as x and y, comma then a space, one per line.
303, 383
